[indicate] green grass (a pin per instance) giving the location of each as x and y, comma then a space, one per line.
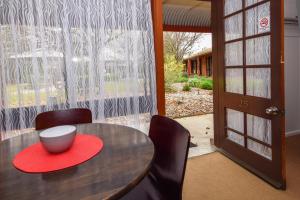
182, 79
28, 95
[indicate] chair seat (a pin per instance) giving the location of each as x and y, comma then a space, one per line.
147, 189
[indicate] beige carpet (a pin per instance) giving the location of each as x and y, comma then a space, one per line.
215, 177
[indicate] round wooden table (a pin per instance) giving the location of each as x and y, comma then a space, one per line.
123, 162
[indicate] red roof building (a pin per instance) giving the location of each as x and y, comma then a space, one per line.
199, 63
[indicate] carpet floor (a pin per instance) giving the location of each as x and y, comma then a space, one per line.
215, 177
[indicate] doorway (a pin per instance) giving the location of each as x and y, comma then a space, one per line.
189, 86
241, 95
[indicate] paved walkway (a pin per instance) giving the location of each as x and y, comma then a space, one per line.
202, 133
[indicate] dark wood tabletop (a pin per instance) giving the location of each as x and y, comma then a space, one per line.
124, 160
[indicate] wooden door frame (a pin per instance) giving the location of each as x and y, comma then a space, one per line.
158, 29
157, 17
217, 79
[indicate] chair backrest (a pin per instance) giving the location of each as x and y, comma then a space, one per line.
171, 141
63, 117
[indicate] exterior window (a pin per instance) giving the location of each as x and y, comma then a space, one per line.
194, 66
209, 66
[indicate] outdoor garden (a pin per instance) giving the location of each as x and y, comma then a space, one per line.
185, 95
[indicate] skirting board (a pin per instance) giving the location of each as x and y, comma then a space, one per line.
292, 133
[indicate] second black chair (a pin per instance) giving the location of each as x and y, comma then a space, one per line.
165, 179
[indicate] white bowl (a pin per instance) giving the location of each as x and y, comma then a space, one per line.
58, 139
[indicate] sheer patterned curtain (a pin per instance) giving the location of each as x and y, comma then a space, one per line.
60, 54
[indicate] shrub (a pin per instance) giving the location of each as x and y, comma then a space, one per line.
201, 82
182, 79
197, 77
194, 82
186, 88
206, 85
172, 70
185, 75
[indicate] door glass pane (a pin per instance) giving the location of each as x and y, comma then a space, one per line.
234, 137
258, 20
258, 81
260, 149
259, 128
231, 6
234, 27
234, 54
235, 120
234, 81
251, 2
258, 51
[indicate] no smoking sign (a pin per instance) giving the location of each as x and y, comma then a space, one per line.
264, 23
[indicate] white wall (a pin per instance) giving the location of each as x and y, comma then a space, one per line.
292, 70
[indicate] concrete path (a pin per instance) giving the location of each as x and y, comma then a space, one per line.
202, 133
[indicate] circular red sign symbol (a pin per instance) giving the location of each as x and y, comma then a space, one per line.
264, 22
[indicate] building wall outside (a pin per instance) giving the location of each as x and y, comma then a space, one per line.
292, 70
292, 74
200, 65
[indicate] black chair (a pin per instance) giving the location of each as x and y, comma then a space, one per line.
63, 117
165, 179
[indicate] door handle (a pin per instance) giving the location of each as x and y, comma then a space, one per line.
273, 110
281, 60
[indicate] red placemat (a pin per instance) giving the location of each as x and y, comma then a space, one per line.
35, 159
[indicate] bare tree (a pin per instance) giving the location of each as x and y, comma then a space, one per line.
179, 44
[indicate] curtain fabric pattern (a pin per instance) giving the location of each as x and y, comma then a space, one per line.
60, 54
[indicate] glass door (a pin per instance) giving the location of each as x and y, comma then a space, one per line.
250, 116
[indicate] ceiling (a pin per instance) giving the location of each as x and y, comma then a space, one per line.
187, 13
194, 3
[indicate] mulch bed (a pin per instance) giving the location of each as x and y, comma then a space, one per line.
183, 104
